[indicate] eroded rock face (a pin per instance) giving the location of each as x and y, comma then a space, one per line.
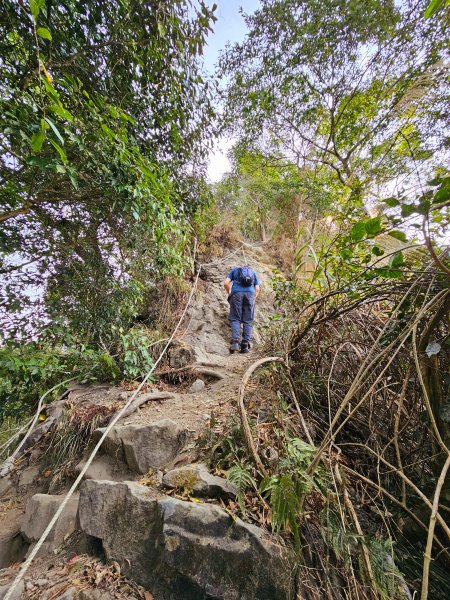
144, 447
12, 545
198, 480
182, 549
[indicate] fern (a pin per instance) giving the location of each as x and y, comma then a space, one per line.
299, 451
388, 578
299, 455
336, 536
285, 503
241, 477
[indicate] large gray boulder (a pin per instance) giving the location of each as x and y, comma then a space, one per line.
144, 447
39, 512
17, 592
6, 486
28, 475
197, 480
183, 550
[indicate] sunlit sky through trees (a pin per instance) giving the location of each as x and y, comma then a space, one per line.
229, 27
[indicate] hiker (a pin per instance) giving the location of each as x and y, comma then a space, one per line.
242, 287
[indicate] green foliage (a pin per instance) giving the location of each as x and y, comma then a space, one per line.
27, 373
341, 539
338, 86
105, 116
287, 489
10, 425
387, 577
86, 320
285, 499
135, 358
367, 228
335, 535
257, 191
230, 448
435, 6
240, 475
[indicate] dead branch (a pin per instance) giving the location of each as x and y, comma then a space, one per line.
366, 368
296, 402
429, 245
426, 397
365, 551
398, 502
396, 429
408, 481
433, 517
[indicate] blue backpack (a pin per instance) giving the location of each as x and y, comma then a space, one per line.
246, 276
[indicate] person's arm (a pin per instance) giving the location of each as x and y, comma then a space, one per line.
257, 286
227, 285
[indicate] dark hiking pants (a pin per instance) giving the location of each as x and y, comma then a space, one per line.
242, 310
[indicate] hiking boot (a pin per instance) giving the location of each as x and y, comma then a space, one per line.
235, 346
245, 347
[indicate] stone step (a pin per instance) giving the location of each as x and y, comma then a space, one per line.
39, 512
105, 467
147, 446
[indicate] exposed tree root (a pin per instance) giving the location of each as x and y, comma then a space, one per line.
243, 413
194, 369
143, 398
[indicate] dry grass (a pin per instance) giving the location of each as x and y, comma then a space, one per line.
70, 437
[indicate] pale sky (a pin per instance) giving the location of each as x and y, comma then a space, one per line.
229, 27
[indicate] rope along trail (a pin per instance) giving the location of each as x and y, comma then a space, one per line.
111, 424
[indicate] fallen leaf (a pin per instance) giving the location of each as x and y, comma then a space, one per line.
148, 596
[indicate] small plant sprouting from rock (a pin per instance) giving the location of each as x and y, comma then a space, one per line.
149, 479
185, 483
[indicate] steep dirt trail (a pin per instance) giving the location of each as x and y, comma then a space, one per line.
206, 336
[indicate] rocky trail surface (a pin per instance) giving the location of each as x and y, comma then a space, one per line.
150, 520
